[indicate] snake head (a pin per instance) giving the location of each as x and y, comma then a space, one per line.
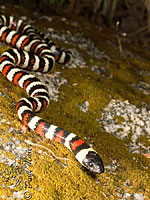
93, 162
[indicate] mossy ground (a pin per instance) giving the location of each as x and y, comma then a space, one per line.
73, 182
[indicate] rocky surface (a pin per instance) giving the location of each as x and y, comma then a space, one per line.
101, 96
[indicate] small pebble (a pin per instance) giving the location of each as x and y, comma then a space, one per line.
138, 196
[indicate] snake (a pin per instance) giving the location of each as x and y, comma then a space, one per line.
32, 50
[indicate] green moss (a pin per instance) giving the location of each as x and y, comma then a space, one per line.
144, 140
119, 119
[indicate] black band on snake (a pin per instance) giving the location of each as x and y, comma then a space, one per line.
30, 52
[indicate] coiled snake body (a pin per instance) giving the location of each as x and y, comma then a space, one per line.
30, 52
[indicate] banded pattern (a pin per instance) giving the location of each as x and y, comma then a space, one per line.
30, 52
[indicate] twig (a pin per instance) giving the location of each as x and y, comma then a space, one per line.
118, 40
139, 30
38, 145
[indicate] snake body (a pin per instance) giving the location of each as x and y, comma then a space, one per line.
30, 52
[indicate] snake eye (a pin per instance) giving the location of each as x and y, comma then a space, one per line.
90, 164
